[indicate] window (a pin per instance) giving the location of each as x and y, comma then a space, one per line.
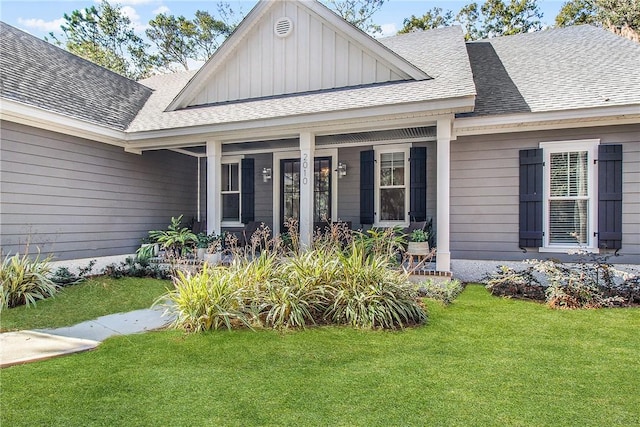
392, 196
230, 190
569, 202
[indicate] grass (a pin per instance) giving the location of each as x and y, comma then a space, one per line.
481, 361
94, 298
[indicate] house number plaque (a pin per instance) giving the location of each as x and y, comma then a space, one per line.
305, 169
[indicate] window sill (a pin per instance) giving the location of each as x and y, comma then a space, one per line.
568, 249
232, 224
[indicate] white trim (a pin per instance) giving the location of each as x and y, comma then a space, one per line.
385, 149
372, 118
29, 115
591, 146
230, 160
443, 198
547, 120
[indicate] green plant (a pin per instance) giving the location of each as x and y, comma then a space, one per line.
386, 242
209, 300
24, 280
64, 277
176, 239
443, 291
136, 267
419, 236
202, 241
370, 294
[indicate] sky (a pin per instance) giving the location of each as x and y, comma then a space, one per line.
41, 17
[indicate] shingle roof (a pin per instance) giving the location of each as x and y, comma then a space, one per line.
37, 73
442, 55
553, 70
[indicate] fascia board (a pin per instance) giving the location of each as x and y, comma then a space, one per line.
29, 115
219, 56
604, 116
366, 118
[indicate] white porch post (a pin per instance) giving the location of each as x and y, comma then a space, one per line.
443, 258
214, 156
307, 148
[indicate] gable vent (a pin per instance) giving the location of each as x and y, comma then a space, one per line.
283, 27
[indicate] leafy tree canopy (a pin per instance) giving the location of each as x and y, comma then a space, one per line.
489, 19
358, 12
105, 36
619, 16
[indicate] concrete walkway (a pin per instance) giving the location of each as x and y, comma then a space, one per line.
30, 346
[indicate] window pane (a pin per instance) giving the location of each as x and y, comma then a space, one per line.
568, 221
231, 207
235, 181
391, 169
568, 174
226, 178
392, 204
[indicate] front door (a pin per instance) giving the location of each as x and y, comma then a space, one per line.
290, 194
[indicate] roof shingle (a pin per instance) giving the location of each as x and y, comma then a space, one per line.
37, 73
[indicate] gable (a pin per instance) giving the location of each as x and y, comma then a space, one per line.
289, 47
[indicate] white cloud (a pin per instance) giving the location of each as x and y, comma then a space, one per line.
389, 30
41, 24
161, 9
132, 14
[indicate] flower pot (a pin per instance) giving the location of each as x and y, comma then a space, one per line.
201, 252
212, 259
418, 248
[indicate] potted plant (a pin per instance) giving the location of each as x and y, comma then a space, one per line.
213, 250
202, 243
175, 240
418, 243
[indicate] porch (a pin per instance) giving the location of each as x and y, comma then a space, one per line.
371, 178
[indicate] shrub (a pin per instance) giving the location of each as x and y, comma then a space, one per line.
370, 294
24, 280
136, 267
281, 289
586, 283
64, 277
507, 282
446, 292
209, 300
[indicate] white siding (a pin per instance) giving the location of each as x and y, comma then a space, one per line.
315, 56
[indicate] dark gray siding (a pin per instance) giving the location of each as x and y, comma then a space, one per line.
484, 191
264, 190
76, 198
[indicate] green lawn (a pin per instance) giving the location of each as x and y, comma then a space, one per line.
94, 298
482, 361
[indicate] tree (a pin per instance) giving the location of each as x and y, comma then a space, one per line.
210, 33
576, 12
105, 36
358, 12
515, 17
619, 16
174, 38
491, 19
434, 18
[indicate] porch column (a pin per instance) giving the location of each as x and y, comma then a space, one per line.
214, 156
443, 257
307, 148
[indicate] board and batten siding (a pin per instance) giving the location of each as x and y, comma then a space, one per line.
484, 191
76, 198
314, 56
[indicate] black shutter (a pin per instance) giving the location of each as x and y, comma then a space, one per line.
367, 186
248, 191
610, 196
418, 184
531, 233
